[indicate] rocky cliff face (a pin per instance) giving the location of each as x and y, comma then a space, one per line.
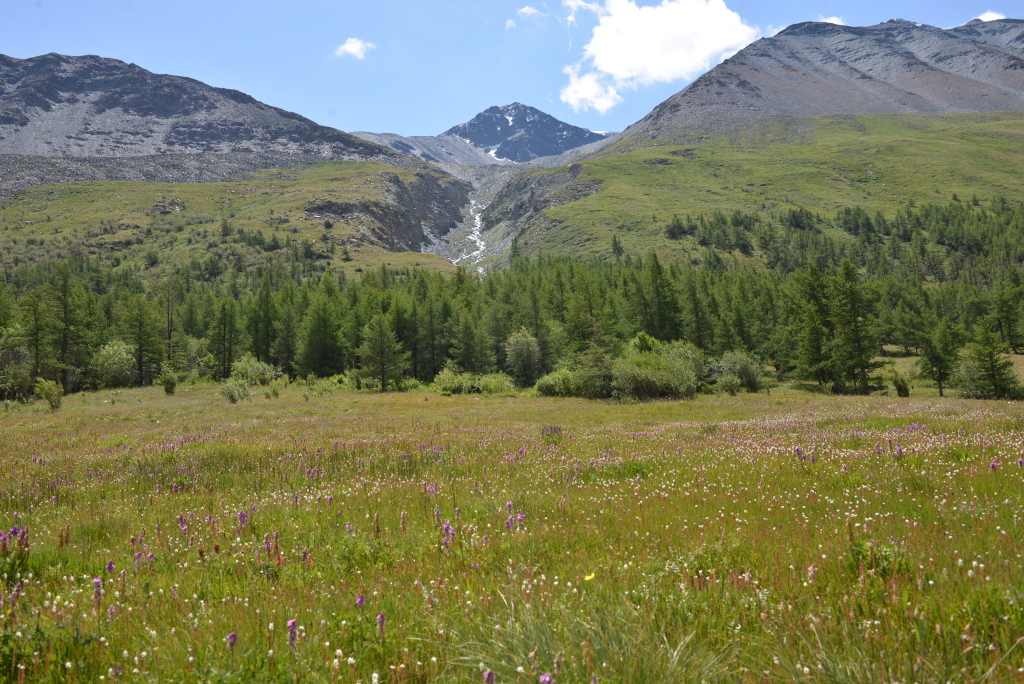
813, 68
60, 106
409, 215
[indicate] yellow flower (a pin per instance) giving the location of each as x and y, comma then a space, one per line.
589, 577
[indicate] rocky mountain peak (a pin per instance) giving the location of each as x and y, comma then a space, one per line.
520, 133
88, 106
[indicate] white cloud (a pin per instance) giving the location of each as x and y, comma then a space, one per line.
635, 46
510, 24
991, 16
530, 12
354, 47
832, 20
589, 91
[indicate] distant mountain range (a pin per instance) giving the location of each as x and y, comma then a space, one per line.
497, 135
816, 68
93, 118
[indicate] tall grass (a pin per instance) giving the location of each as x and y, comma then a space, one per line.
803, 538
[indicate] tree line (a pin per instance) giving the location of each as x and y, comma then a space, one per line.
939, 281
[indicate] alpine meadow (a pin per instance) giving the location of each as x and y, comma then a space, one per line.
733, 395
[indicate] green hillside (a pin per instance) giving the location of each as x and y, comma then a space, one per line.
823, 164
157, 227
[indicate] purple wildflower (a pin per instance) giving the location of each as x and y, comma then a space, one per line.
489, 677
994, 464
232, 638
293, 634
380, 625
360, 601
545, 678
111, 566
97, 589
509, 505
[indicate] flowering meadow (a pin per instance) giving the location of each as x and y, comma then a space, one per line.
359, 537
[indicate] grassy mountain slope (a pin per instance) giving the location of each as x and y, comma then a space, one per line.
879, 162
156, 227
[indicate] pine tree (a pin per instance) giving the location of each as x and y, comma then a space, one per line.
225, 337
854, 343
939, 354
320, 349
140, 326
69, 324
984, 371
261, 320
380, 353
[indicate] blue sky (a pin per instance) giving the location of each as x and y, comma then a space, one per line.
417, 67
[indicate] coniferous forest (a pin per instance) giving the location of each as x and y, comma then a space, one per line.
793, 296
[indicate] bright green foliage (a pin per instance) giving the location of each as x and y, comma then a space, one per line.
52, 392
112, 364
321, 351
522, 357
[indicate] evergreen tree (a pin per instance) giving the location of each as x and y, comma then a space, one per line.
939, 354
139, 325
985, 372
380, 353
285, 346
854, 343
70, 324
35, 321
225, 337
261, 320
320, 349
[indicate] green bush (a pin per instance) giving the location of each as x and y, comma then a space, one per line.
113, 364
729, 384
169, 379
51, 391
252, 372
745, 367
234, 391
559, 383
496, 383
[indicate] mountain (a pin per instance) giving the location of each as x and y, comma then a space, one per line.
814, 68
60, 106
521, 133
514, 133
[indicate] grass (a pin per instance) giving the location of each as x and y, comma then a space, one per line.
111, 218
878, 162
775, 537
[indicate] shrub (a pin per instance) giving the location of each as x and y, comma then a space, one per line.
496, 383
453, 381
729, 384
559, 383
113, 364
745, 367
234, 391
169, 379
252, 372
51, 391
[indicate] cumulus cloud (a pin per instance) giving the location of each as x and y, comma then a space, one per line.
634, 46
530, 12
588, 91
353, 47
991, 16
510, 24
832, 20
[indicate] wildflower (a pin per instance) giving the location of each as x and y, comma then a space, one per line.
994, 464
97, 589
111, 566
232, 639
380, 625
293, 633
509, 505
360, 601
508, 523
489, 677
589, 577
546, 678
